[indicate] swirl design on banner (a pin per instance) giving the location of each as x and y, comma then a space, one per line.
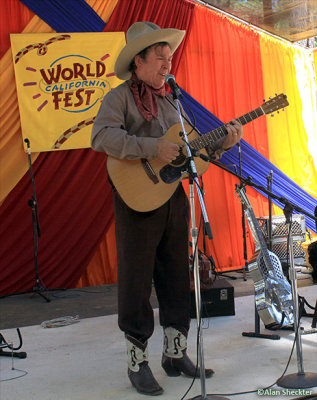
42, 47
69, 132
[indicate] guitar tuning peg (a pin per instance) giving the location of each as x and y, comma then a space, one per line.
276, 94
278, 112
272, 115
263, 100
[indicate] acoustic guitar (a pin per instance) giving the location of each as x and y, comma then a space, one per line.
145, 185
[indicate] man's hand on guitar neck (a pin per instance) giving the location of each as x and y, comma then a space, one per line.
235, 133
167, 151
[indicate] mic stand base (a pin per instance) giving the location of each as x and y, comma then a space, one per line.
17, 354
298, 380
38, 290
209, 397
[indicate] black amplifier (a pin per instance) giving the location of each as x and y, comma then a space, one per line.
215, 302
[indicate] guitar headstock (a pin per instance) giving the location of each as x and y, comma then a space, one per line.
278, 102
242, 195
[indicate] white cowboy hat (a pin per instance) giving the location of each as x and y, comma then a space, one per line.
139, 36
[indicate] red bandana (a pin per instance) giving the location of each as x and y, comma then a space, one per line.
144, 97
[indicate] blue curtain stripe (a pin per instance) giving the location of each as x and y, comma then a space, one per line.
253, 164
67, 15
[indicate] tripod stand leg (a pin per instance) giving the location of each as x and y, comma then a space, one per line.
39, 290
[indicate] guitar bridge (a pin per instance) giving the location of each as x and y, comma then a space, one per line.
149, 171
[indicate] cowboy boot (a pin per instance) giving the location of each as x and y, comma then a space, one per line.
139, 371
175, 359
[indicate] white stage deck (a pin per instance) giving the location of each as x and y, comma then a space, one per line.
87, 361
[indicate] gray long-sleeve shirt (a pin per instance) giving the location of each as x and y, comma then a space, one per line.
122, 132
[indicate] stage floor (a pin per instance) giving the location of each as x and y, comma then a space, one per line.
87, 360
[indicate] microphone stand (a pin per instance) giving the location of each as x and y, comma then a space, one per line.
269, 231
193, 178
248, 182
245, 253
301, 379
38, 288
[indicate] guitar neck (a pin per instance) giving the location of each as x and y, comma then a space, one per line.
213, 136
256, 230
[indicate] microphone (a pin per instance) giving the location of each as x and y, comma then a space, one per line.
170, 80
197, 153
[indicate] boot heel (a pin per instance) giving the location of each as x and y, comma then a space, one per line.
167, 365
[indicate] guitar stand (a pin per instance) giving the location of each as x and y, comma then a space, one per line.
256, 332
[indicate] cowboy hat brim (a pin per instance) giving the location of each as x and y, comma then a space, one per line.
173, 37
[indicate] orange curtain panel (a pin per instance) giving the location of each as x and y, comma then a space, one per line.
222, 70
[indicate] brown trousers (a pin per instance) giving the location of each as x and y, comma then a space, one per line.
153, 247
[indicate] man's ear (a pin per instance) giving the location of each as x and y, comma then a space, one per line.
138, 60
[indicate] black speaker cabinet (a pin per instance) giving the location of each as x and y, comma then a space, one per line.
215, 302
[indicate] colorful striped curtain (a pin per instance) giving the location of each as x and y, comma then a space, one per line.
229, 71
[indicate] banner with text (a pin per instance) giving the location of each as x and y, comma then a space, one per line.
61, 79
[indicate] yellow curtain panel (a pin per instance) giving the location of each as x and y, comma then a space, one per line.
292, 136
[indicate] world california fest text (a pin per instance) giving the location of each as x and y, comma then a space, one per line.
75, 86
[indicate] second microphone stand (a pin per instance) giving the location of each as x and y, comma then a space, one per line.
244, 231
301, 379
37, 288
